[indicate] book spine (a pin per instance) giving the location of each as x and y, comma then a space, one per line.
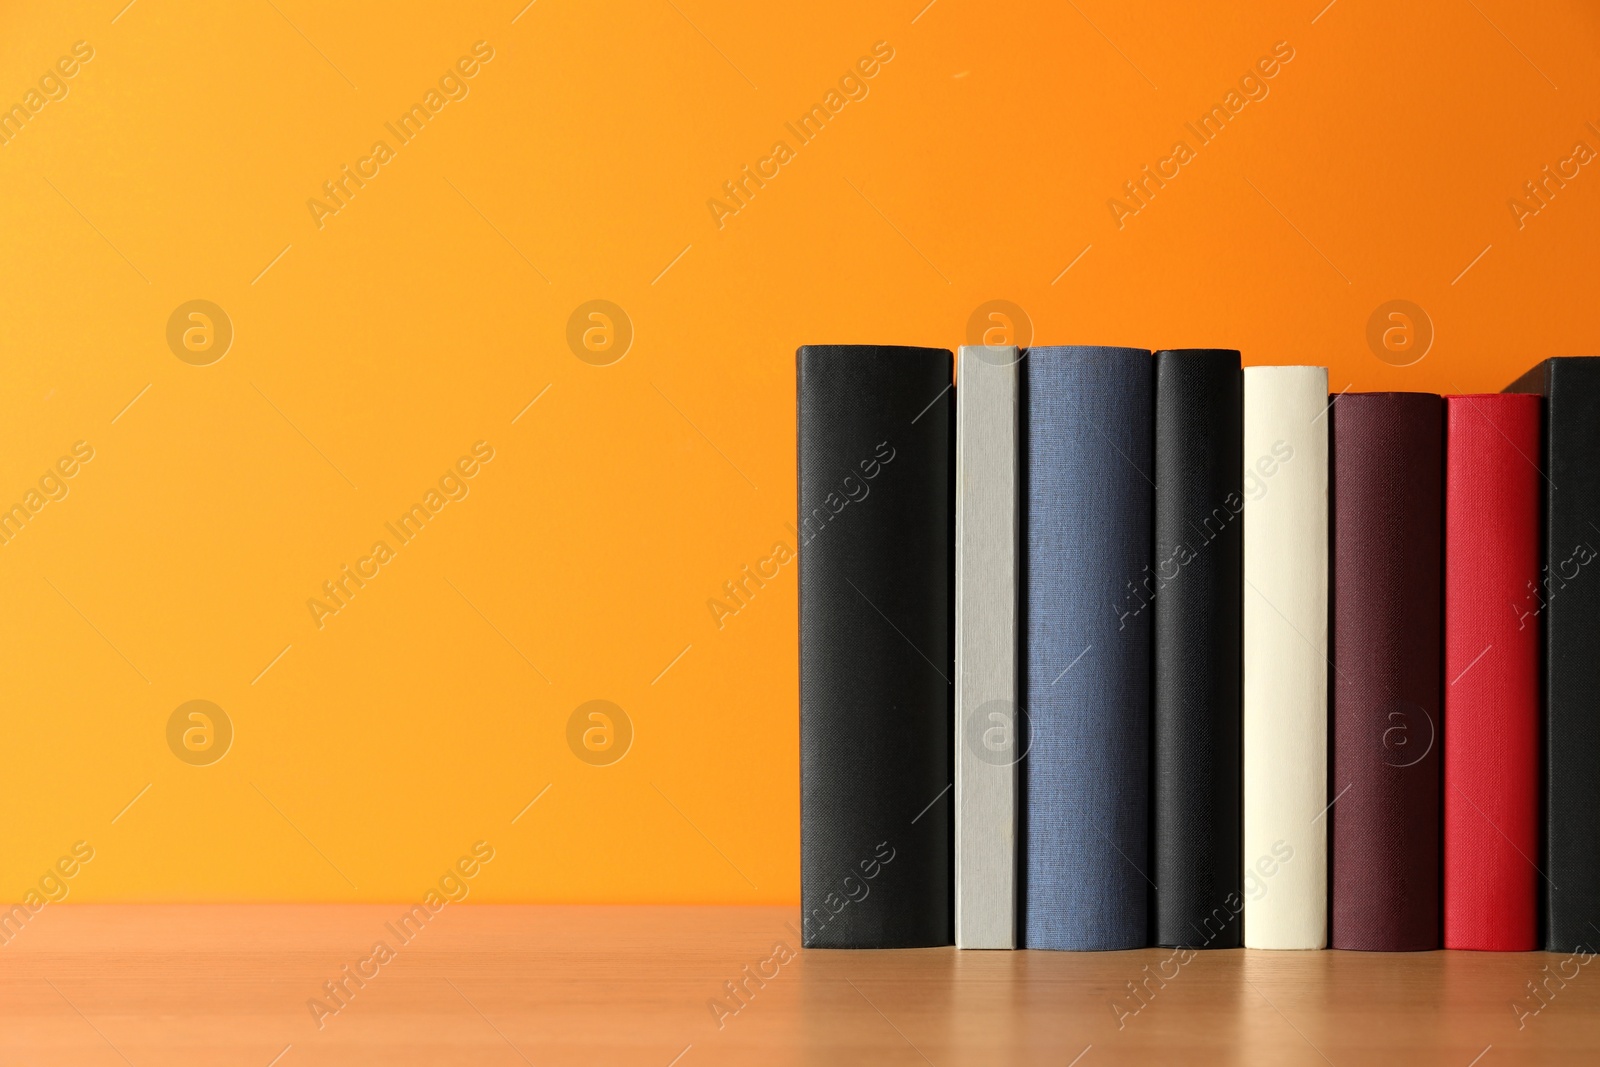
876, 538
1388, 519
1568, 596
1285, 869
1197, 793
1491, 699
1087, 498
986, 742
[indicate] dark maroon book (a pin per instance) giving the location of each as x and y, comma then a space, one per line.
1387, 512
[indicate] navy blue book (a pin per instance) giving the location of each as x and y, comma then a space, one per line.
1087, 589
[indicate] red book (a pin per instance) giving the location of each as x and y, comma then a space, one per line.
1493, 603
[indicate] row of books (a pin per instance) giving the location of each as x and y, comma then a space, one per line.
1102, 648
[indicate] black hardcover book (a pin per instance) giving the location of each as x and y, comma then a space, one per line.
876, 515
1567, 600
1195, 587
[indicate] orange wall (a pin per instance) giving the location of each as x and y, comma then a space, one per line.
425, 314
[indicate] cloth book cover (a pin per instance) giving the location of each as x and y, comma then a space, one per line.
988, 743
876, 533
1196, 586
1388, 610
1567, 597
1285, 869
1491, 672
1087, 495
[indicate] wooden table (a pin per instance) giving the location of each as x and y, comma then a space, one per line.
490, 985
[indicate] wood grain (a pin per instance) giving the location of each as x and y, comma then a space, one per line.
492, 985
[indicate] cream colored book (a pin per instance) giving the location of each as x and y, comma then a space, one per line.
1286, 800
987, 743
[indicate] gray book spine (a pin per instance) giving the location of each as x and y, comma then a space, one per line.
991, 737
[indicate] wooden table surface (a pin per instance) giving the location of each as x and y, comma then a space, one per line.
491, 985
